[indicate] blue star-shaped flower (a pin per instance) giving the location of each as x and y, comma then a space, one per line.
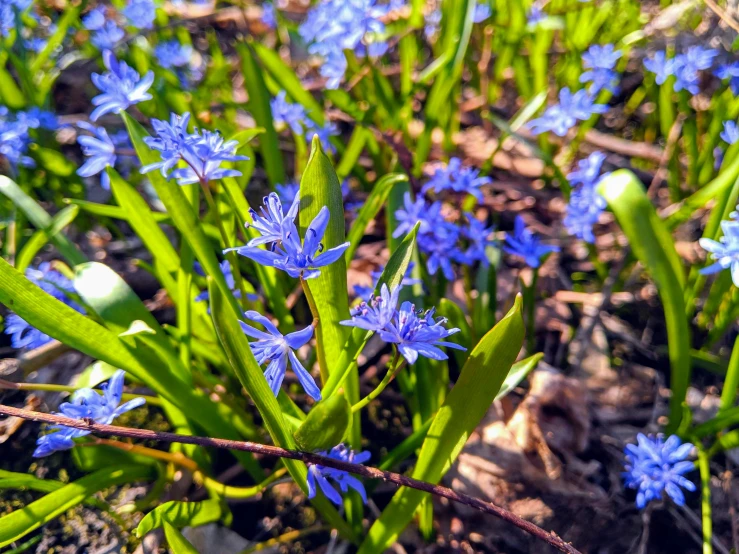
100, 152
319, 475
600, 60
730, 134
140, 13
525, 244
456, 177
561, 117
725, 251
271, 223
375, 313
121, 87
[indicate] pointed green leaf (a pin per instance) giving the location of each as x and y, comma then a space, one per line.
464, 407
41, 237
178, 544
182, 514
518, 373
325, 426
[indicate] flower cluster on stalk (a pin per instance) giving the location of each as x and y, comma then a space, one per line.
684, 67
16, 134
23, 334
599, 62
561, 117
585, 204
87, 404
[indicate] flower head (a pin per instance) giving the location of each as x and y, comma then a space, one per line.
140, 13
686, 66
100, 152
276, 349
456, 177
725, 251
173, 54
107, 36
271, 223
561, 117
585, 204
288, 192
288, 114
731, 72
377, 312
482, 12
293, 257
417, 211
88, 404
478, 238
319, 475
730, 134
656, 466
269, 15
600, 60
660, 65
121, 87
525, 244
94, 19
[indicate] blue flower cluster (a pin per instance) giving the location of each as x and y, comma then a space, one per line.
87, 404
100, 149
561, 117
684, 67
22, 334
287, 252
10, 10
15, 133
121, 87
413, 332
294, 116
319, 475
585, 205
455, 177
276, 349
600, 61
333, 26
202, 151
725, 250
656, 466
527, 245
731, 72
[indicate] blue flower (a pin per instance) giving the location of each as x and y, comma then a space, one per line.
288, 114
14, 141
121, 87
227, 275
171, 139
433, 20
686, 67
269, 15
108, 36
173, 54
525, 244
656, 466
536, 15
417, 333
95, 19
457, 178
562, 117
276, 349
414, 212
140, 13
441, 248
100, 152
585, 204
731, 72
482, 12
478, 235
9, 10
375, 313
324, 135
601, 61
660, 65
319, 475
36, 118
288, 192
730, 134
725, 251
294, 258
271, 223
87, 404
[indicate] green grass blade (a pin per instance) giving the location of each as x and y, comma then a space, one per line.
41, 237
182, 514
178, 544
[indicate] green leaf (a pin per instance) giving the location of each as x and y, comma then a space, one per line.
250, 375
54, 161
95, 457
370, 209
325, 426
56, 39
182, 514
259, 106
21, 522
41, 220
653, 246
11, 95
320, 187
464, 407
40, 238
114, 212
178, 544
518, 373
392, 276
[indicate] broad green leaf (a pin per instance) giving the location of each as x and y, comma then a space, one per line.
41, 220
11, 95
392, 276
653, 246
95, 457
288, 81
54, 161
41, 237
325, 426
259, 106
182, 514
518, 373
244, 365
21, 522
178, 544
372, 206
464, 407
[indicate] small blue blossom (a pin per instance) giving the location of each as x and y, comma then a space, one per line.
276, 349
416, 332
585, 204
288, 192
324, 135
95, 19
14, 140
227, 275
271, 223
433, 21
656, 466
87, 404
319, 475
458, 178
121, 87
478, 238
9, 11
686, 67
375, 313
269, 15
562, 117
140, 13
525, 244
725, 251
600, 60
660, 65
588, 170
730, 134
36, 118
171, 139
441, 248
100, 152
482, 12
414, 212
536, 14
108, 36
173, 54
731, 72
288, 114
294, 258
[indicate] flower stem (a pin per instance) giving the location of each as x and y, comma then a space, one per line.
529, 302
389, 376
705, 473
321, 354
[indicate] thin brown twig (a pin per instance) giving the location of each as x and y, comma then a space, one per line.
550, 538
725, 17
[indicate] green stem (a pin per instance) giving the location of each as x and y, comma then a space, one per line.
529, 301
184, 284
389, 376
705, 473
8, 385
728, 395
321, 354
